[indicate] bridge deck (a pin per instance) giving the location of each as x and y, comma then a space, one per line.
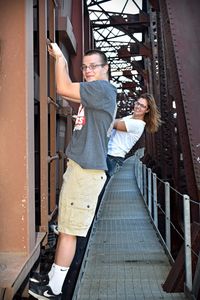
124, 258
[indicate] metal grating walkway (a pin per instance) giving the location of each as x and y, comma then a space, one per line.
124, 259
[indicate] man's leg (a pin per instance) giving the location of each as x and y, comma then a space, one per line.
65, 251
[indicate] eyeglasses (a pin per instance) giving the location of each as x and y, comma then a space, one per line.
140, 104
91, 67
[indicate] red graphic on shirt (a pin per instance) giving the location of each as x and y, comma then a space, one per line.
80, 119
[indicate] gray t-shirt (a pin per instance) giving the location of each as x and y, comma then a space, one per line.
88, 146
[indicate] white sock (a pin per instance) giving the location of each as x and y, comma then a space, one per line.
50, 274
56, 282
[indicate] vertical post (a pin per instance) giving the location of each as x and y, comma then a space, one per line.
43, 116
155, 207
52, 111
17, 171
187, 238
149, 191
167, 216
145, 183
140, 175
136, 170
141, 178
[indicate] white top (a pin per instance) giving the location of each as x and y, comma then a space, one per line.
121, 142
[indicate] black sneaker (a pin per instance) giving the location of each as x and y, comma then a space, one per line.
40, 279
43, 292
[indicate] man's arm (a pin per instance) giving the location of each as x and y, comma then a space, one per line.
119, 124
69, 99
64, 86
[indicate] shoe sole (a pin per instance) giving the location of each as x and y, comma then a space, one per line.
39, 297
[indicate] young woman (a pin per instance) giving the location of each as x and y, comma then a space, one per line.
127, 131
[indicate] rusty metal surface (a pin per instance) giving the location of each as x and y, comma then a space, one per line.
184, 22
52, 112
43, 117
167, 139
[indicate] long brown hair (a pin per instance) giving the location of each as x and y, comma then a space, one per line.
152, 117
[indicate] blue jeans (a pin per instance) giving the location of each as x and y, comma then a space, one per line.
114, 163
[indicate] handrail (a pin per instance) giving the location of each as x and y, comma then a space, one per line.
149, 191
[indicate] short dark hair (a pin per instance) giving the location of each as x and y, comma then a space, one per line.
99, 52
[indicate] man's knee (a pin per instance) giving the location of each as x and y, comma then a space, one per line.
65, 236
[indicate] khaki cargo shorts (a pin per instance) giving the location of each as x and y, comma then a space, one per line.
78, 198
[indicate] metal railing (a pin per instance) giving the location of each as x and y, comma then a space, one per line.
147, 183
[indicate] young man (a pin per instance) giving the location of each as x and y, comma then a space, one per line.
127, 131
85, 174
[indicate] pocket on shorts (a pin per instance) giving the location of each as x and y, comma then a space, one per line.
82, 209
81, 215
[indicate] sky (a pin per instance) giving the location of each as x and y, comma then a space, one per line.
118, 5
